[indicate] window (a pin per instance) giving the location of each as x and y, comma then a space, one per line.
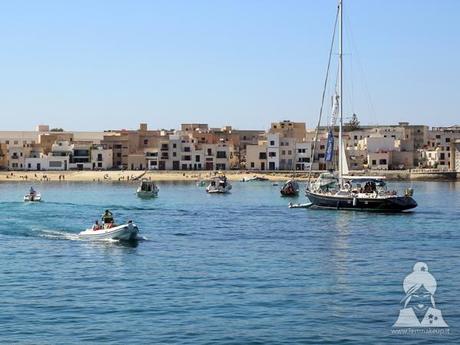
209, 152
197, 158
283, 152
374, 162
272, 154
118, 154
99, 157
55, 164
322, 147
221, 154
272, 142
382, 161
174, 154
146, 141
447, 140
262, 155
99, 165
252, 165
187, 149
289, 152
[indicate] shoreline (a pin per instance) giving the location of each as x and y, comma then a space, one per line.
132, 176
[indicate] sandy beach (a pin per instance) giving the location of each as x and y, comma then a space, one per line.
133, 176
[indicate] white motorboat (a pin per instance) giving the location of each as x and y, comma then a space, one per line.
147, 189
125, 232
219, 185
33, 197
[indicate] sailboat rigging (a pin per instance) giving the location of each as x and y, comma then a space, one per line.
338, 190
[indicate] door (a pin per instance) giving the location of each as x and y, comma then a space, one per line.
262, 166
39, 166
175, 165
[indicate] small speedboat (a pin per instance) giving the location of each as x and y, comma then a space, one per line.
147, 189
33, 197
290, 188
219, 185
125, 232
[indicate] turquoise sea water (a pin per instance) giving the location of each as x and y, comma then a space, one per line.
228, 269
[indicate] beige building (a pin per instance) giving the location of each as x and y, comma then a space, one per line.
256, 156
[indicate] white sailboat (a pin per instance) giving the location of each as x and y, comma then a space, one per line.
339, 191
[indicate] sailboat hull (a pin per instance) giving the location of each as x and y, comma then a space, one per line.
390, 204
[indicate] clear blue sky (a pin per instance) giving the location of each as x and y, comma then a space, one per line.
94, 64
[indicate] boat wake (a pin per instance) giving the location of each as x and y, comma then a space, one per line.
57, 235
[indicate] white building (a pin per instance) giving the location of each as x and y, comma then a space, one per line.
303, 156
101, 158
273, 151
47, 162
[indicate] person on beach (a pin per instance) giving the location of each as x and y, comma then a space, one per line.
107, 217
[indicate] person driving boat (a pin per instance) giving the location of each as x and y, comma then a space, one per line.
107, 218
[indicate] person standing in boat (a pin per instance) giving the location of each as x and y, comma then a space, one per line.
107, 217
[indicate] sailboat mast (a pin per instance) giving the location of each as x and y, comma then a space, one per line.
340, 91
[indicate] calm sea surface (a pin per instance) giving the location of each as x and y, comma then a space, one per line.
231, 269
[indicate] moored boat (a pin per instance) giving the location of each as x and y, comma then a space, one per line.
290, 188
364, 193
337, 190
147, 189
219, 185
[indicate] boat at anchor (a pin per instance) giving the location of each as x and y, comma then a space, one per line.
336, 190
219, 185
147, 189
